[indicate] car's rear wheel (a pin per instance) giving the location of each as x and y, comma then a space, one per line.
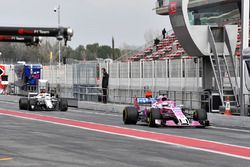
63, 105
201, 116
23, 103
130, 115
153, 115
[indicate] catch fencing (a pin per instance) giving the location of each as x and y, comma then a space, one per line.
181, 78
178, 74
171, 75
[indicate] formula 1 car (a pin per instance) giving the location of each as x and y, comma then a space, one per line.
42, 102
163, 112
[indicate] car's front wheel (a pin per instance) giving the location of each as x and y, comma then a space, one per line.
130, 115
153, 115
201, 116
63, 105
23, 103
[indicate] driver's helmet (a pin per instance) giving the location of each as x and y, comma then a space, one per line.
162, 98
42, 91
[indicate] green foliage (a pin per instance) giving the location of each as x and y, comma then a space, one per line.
13, 52
104, 52
117, 53
91, 51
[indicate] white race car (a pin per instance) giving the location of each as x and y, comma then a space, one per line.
42, 102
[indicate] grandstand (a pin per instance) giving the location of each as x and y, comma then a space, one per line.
169, 48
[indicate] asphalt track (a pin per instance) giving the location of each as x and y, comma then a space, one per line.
92, 138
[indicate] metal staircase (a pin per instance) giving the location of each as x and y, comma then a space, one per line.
224, 71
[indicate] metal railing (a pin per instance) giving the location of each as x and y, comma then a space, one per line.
190, 100
89, 93
65, 91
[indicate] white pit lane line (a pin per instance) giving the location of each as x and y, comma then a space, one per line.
96, 112
119, 115
230, 129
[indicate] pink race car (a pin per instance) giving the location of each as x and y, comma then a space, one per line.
162, 112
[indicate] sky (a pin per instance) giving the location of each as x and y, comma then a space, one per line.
129, 21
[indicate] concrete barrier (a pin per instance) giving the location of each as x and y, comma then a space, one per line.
9, 98
217, 119
72, 102
109, 107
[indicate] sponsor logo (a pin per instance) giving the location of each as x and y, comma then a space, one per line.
41, 32
2, 70
172, 8
19, 38
5, 38
25, 31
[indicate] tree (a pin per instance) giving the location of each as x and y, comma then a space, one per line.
91, 51
13, 52
67, 52
104, 52
79, 53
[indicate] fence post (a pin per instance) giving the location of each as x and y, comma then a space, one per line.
65, 74
170, 73
78, 92
174, 95
140, 73
191, 100
153, 76
128, 74
119, 94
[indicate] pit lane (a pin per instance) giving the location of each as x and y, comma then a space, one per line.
38, 143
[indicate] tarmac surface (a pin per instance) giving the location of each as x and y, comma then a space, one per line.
29, 142
238, 122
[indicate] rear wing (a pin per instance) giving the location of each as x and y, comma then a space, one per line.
32, 94
142, 100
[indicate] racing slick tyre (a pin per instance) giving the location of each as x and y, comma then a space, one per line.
130, 115
32, 104
63, 104
23, 103
201, 116
153, 115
